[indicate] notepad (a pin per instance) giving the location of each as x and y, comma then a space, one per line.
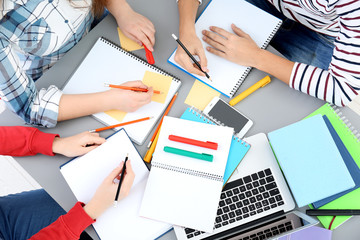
238, 148
310, 233
307, 154
181, 190
85, 174
108, 63
227, 76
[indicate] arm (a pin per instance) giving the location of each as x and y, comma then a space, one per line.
135, 26
187, 35
70, 225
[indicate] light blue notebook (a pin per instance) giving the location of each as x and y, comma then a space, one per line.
310, 160
238, 147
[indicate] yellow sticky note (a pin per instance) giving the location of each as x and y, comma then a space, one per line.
158, 82
127, 43
116, 114
200, 95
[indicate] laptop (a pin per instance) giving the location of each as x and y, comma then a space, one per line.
256, 203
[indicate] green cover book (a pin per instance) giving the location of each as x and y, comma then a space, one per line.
352, 143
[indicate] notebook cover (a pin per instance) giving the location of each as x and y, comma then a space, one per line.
238, 147
350, 164
350, 200
307, 155
310, 233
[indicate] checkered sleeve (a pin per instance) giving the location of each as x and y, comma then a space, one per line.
20, 94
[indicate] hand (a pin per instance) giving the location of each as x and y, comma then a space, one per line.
106, 192
136, 26
127, 100
238, 48
77, 145
195, 47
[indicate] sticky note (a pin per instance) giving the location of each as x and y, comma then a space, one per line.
116, 114
158, 82
127, 43
200, 95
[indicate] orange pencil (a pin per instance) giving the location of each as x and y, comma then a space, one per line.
130, 88
151, 150
166, 112
120, 124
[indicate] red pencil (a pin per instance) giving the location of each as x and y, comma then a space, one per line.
130, 88
120, 124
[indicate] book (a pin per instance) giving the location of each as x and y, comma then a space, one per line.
310, 233
84, 175
238, 148
352, 143
182, 190
227, 76
307, 154
109, 63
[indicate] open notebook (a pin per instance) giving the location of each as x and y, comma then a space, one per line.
261, 26
84, 175
182, 190
109, 63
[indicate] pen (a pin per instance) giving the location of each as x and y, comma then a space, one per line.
121, 180
149, 55
166, 112
332, 212
202, 156
190, 55
207, 144
151, 150
120, 124
247, 92
130, 88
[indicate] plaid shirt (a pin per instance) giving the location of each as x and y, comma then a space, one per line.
33, 36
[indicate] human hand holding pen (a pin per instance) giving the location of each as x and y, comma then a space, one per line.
104, 195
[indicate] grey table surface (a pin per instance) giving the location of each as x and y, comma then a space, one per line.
270, 108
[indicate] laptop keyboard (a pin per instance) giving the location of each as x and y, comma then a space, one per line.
243, 198
270, 232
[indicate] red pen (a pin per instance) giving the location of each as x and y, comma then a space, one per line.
207, 144
149, 55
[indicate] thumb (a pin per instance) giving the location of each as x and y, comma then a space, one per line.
203, 59
115, 173
237, 30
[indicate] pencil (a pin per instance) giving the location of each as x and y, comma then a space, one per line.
131, 88
151, 150
120, 124
121, 180
190, 55
166, 112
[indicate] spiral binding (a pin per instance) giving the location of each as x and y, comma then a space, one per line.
208, 119
248, 69
188, 171
346, 123
138, 58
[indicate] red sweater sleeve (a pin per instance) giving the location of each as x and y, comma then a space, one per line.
25, 141
68, 226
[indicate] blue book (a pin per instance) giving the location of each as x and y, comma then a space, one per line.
310, 160
238, 147
349, 162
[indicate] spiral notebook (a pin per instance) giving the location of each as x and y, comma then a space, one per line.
351, 139
109, 63
238, 148
227, 76
182, 190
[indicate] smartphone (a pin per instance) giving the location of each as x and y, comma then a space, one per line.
223, 113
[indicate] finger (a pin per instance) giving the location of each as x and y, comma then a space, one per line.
214, 36
216, 52
137, 83
214, 44
93, 139
203, 60
238, 31
187, 63
114, 173
128, 179
220, 31
141, 36
150, 34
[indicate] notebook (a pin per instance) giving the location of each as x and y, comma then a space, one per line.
181, 190
108, 63
238, 148
84, 174
351, 140
307, 154
227, 76
311, 233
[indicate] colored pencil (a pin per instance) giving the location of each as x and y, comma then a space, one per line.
131, 88
120, 124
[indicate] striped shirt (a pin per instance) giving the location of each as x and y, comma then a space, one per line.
338, 18
35, 34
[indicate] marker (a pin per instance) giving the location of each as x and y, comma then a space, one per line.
261, 83
149, 55
201, 156
207, 144
332, 212
190, 55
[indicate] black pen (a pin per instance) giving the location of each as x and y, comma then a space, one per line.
190, 55
121, 179
332, 212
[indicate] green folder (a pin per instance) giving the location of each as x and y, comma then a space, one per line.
351, 199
